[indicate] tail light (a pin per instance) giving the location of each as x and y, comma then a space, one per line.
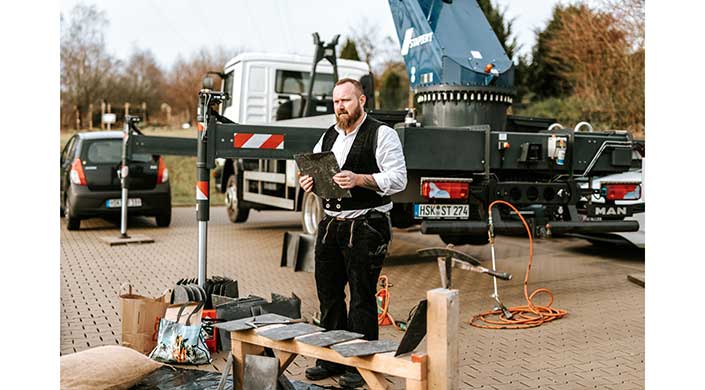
621, 191
77, 175
433, 188
162, 171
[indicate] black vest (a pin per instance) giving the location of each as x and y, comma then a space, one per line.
362, 160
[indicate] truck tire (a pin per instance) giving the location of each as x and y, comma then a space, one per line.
464, 240
236, 214
311, 212
72, 223
164, 219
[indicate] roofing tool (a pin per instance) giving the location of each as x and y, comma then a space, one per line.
449, 258
516, 317
256, 324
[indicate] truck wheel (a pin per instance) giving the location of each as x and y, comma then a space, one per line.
464, 240
164, 219
72, 223
311, 212
236, 214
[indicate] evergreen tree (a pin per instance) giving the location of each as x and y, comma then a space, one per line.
501, 26
394, 87
544, 78
349, 51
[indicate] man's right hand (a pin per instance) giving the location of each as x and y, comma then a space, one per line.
306, 182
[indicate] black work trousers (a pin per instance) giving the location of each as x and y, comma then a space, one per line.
351, 252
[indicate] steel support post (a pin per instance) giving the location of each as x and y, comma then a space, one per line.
202, 186
123, 173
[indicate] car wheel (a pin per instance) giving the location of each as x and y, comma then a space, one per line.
164, 219
72, 223
311, 212
236, 214
465, 240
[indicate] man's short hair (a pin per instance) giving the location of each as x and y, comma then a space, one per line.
354, 82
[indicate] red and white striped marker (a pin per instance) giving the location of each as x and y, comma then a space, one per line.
201, 190
258, 141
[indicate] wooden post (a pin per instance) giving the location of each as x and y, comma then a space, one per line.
102, 112
77, 115
90, 116
144, 113
127, 109
442, 339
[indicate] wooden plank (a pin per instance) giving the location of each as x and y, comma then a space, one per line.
442, 339
638, 279
285, 359
374, 380
226, 372
239, 351
133, 239
382, 362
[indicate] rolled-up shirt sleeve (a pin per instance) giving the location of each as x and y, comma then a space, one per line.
390, 161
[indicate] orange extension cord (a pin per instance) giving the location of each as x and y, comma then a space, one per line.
383, 310
523, 317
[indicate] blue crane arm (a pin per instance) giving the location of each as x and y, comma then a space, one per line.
449, 42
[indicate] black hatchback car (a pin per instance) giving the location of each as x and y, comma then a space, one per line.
90, 186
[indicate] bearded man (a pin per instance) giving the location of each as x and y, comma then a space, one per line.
353, 238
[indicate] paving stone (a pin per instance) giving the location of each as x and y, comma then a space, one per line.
603, 332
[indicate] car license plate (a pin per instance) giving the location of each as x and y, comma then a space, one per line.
441, 211
132, 202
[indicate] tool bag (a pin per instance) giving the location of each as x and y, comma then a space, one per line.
140, 317
180, 342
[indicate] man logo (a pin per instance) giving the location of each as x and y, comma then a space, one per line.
410, 43
610, 211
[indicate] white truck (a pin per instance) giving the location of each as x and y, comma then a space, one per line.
267, 88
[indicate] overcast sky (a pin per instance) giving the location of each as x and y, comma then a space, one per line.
170, 28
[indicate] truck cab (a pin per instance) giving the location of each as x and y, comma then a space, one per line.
267, 88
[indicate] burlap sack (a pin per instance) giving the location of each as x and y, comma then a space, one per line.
107, 367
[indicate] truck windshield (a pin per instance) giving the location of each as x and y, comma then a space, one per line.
109, 151
296, 82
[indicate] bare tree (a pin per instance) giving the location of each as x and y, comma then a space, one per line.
86, 67
607, 64
142, 80
186, 75
375, 50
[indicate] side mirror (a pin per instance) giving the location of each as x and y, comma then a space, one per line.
208, 82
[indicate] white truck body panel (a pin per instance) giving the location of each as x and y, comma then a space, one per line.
251, 81
254, 96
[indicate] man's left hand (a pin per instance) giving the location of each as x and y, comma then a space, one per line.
346, 179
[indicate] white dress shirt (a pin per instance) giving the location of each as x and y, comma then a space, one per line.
390, 161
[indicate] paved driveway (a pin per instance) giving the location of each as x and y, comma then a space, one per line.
600, 344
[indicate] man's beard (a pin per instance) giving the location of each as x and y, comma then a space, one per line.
345, 121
